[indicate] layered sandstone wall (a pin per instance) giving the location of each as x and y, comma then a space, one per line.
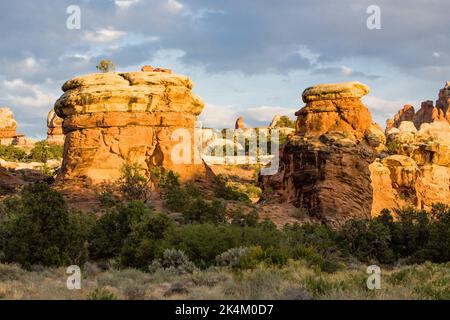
112, 119
417, 173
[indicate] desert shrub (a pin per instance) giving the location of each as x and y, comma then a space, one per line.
367, 240
176, 198
11, 153
392, 147
285, 122
314, 259
101, 294
37, 228
244, 220
232, 257
105, 66
43, 151
130, 232
133, 183
437, 248
203, 211
202, 242
223, 189
173, 260
409, 233
110, 231
318, 236
107, 197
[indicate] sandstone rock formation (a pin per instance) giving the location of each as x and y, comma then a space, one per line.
324, 168
418, 172
112, 119
427, 113
7, 126
334, 107
276, 118
405, 114
151, 69
55, 130
240, 124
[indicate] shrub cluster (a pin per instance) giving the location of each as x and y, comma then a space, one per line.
41, 152
37, 228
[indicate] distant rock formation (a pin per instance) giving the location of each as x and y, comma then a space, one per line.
112, 119
276, 118
55, 133
7, 126
151, 69
240, 124
405, 114
427, 113
324, 168
418, 171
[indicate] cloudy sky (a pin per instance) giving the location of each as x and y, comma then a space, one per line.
250, 58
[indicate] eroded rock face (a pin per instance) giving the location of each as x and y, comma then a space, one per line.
55, 130
324, 168
427, 113
419, 171
7, 124
112, 119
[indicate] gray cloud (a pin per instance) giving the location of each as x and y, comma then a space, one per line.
247, 37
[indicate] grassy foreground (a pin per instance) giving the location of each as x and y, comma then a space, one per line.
294, 281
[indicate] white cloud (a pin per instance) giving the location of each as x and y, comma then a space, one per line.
125, 4
174, 6
436, 54
104, 35
19, 93
218, 117
346, 71
266, 113
30, 63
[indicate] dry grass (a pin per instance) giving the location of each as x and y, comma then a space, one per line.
295, 281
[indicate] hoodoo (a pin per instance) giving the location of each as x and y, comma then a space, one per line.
113, 119
324, 168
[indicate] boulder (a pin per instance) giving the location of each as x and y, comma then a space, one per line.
334, 107
113, 119
335, 91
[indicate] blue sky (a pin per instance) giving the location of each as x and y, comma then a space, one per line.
250, 58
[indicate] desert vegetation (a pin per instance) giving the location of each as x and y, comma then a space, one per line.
195, 248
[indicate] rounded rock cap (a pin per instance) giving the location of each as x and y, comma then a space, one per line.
333, 91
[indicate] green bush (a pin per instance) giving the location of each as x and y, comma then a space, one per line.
367, 240
101, 294
223, 189
131, 232
11, 153
44, 151
202, 211
37, 228
133, 183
